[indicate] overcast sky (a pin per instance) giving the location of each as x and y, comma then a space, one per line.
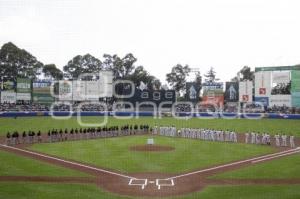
160, 33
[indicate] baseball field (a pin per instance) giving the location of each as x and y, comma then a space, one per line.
111, 167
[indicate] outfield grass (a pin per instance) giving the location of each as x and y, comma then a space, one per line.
188, 155
240, 125
283, 168
14, 165
78, 191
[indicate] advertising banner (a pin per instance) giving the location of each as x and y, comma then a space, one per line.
232, 92
263, 83
23, 85
213, 100
41, 92
7, 86
65, 90
295, 87
207, 86
8, 97
296, 99
245, 91
281, 77
213, 93
262, 100
280, 100
106, 84
193, 92
92, 90
24, 96
157, 96
79, 90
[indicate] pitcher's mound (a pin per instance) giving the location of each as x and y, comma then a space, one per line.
150, 147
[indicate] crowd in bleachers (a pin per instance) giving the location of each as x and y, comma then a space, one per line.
94, 107
34, 107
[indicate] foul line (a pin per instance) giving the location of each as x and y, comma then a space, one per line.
272, 157
287, 152
69, 162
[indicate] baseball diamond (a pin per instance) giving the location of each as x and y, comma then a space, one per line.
140, 99
181, 161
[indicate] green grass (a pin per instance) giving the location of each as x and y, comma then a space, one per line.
248, 192
78, 191
283, 168
240, 125
14, 165
51, 191
188, 155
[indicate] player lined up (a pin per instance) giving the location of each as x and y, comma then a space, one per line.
265, 138
203, 134
56, 135
209, 134
166, 131
25, 138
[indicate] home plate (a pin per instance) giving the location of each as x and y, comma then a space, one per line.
138, 182
164, 183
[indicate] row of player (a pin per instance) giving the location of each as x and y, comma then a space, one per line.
265, 138
203, 134
225, 136
55, 135
91, 133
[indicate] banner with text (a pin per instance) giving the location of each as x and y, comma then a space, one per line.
41, 92
8, 97
263, 83
65, 90
79, 90
245, 91
23, 85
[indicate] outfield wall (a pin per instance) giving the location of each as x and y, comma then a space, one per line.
151, 114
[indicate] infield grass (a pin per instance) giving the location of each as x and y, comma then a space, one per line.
114, 153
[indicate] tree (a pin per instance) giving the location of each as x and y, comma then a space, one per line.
16, 62
177, 77
82, 64
121, 67
125, 69
156, 84
247, 74
198, 78
141, 75
211, 76
51, 71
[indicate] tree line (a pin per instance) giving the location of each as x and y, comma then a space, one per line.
16, 62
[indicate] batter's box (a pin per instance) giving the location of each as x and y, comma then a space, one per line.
138, 182
164, 183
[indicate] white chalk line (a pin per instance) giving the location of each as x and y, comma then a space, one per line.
272, 157
67, 161
142, 185
236, 163
164, 185
252, 160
